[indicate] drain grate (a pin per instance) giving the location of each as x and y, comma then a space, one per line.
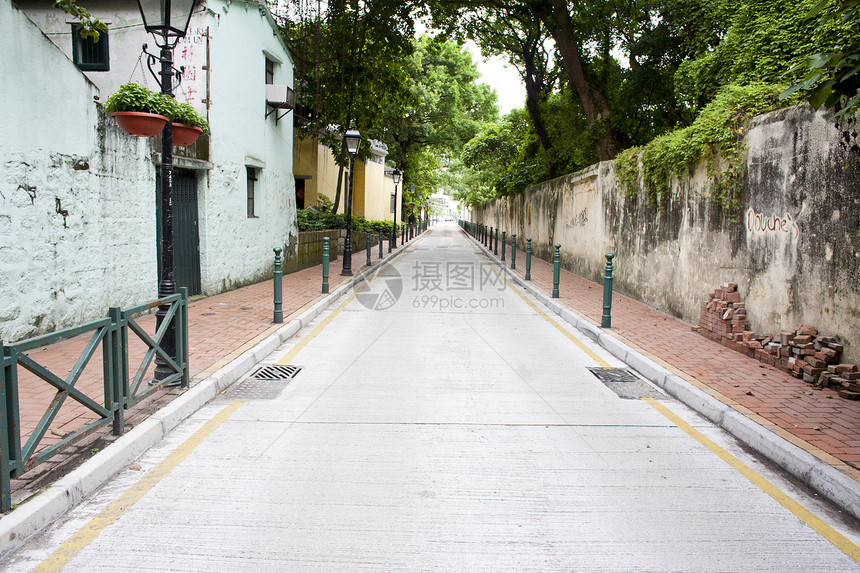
276, 372
626, 384
266, 383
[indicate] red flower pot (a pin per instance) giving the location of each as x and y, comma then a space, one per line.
185, 134
140, 124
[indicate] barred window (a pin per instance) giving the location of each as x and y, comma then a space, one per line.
88, 55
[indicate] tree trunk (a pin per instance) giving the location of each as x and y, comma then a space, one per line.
594, 104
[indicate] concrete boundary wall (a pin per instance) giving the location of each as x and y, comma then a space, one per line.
793, 244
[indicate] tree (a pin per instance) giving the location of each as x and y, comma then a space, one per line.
833, 76
445, 109
349, 63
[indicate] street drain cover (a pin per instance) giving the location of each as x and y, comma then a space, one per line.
266, 383
276, 372
626, 384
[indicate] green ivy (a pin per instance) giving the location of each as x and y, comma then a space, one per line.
715, 136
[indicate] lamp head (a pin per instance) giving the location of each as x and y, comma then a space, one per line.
166, 18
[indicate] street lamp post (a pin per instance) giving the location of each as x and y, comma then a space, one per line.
353, 140
395, 175
167, 21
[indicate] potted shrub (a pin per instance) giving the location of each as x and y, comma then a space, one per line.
137, 110
187, 124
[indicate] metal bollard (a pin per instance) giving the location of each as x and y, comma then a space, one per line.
326, 259
279, 273
496, 249
367, 241
556, 270
514, 252
392, 237
528, 259
402, 233
381, 235
504, 242
490, 239
606, 320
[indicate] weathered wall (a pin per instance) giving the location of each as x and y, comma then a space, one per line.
793, 246
309, 252
77, 196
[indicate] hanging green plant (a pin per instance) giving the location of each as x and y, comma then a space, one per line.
135, 97
185, 114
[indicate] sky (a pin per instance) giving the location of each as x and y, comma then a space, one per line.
504, 79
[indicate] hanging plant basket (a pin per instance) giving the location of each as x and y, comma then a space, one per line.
139, 123
185, 134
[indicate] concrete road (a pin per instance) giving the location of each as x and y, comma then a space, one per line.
442, 422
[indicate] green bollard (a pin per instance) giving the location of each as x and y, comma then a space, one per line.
392, 239
496, 249
326, 258
504, 242
380, 244
514, 252
402, 233
367, 241
279, 311
606, 320
528, 259
556, 270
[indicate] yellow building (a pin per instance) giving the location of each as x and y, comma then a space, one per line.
316, 173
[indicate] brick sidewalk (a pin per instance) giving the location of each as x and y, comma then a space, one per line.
819, 421
221, 327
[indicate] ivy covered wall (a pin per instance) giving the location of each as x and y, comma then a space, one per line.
791, 240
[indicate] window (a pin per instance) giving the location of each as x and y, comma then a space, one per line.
393, 202
270, 71
90, 56
252, 183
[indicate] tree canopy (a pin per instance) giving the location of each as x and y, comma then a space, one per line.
634, 77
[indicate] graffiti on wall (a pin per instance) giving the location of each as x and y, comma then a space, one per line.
763, 224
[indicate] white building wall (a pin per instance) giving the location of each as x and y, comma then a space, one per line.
76, 234
236, 249
77, 195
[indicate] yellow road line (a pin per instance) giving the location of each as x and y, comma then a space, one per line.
86, 534
823, 529
593, 355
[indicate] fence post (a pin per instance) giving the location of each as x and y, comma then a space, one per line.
112, 376
504, 242
325, 265
528, 259
5, 434
279, 313
496, 249
606, 320
556, 270
381, 236
514, 252
185, 381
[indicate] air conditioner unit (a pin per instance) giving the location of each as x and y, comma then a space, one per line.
280, 97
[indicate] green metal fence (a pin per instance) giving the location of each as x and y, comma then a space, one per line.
120, 390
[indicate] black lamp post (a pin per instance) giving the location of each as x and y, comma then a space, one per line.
395, 175
353, 140
167, 21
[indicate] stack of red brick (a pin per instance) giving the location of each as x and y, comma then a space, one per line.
800, 352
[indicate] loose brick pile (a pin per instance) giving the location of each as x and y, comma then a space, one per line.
801, 352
